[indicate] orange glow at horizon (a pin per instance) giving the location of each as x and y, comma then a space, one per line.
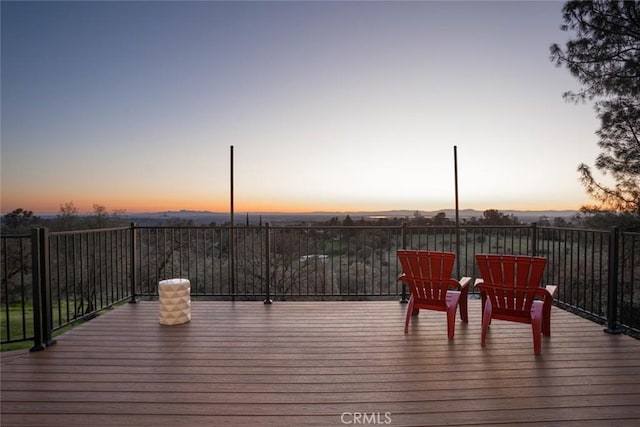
84, 205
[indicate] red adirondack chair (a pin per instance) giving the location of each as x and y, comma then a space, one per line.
428, 274
511, 289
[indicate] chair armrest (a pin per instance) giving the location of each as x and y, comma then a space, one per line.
551, 289
478, 282
544, 295
464, 282
402, 277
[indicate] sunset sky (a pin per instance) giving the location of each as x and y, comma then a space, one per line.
330, 106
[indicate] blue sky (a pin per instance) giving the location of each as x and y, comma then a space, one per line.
329, 106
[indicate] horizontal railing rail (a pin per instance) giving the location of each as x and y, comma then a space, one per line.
86, 271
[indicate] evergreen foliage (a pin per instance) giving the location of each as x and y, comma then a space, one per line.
604, 56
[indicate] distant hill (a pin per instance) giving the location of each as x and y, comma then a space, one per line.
280, 218
467, 213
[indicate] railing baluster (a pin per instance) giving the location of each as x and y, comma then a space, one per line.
267, 245
403, 233
132, 260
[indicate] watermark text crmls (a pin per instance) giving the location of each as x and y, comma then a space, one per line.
366, 418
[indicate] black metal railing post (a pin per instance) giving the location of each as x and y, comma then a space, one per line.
534, 239
403, 299
612, 279
38, 341
46, 288
267, 284
42, 315
132, 259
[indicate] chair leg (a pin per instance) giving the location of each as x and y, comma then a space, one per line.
409, 314
485, 300
486, 320
451, 320
537, 319
452, 302
546, 319
464, 300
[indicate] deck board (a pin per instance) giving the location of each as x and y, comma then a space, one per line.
307, 363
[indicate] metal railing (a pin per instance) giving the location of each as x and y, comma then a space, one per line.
51, 280
16, 320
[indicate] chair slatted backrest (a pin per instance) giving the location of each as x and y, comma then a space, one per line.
428, 274
511, 282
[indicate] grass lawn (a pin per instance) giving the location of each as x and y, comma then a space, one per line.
21, 324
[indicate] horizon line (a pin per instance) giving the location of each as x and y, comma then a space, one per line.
311, 212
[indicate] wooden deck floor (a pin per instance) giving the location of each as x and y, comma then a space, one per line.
321, 363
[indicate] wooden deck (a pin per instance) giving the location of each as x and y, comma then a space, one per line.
321, 363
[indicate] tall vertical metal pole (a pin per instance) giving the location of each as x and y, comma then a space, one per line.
455, 170
232, 274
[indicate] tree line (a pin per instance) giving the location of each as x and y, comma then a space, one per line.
68, 218
21, 221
